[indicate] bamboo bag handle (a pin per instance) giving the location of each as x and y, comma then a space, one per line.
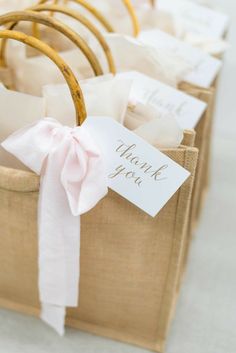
134, 18
14, 17
95, 12
82, 19
72, 82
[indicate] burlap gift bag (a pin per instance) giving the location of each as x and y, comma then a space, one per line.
168, 21
215, 46
130, 262
202, 142
203, 129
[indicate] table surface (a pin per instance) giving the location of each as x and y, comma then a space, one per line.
205, 320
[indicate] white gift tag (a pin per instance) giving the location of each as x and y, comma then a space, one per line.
136, 170
197, 18
186, 109
205, 66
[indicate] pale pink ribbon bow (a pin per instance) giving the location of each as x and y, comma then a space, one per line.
73, 180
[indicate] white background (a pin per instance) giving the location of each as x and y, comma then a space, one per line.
205, 320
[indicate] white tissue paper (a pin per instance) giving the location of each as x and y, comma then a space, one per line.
104, 96
159, 129
14, 5
162, 132
210, 45
130, 54
17, 110
116, 14
32, 73
172, 23
115, 92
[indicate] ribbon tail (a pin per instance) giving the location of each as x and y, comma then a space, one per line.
73, 180
54, 316
59, 249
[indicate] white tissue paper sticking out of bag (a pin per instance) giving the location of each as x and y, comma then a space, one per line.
17, 111
196, 18
160, 18
32, 73
138, 114
154, 18
57, 40
109, 96
104, 96
14, 5
131, 54
209, 45
115, 12
159, 129
161, 133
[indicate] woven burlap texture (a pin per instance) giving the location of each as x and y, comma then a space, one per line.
130, 262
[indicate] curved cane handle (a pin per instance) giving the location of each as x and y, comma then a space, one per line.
134, 18
82, 19
102, 19
95, 12
153, 3
14, 17
72, 82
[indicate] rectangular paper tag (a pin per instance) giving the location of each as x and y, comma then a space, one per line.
136, 170
205, 67
186, 109
197, 18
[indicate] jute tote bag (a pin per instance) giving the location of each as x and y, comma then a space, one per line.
130, 262
203, 139
197, 92
202, 142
